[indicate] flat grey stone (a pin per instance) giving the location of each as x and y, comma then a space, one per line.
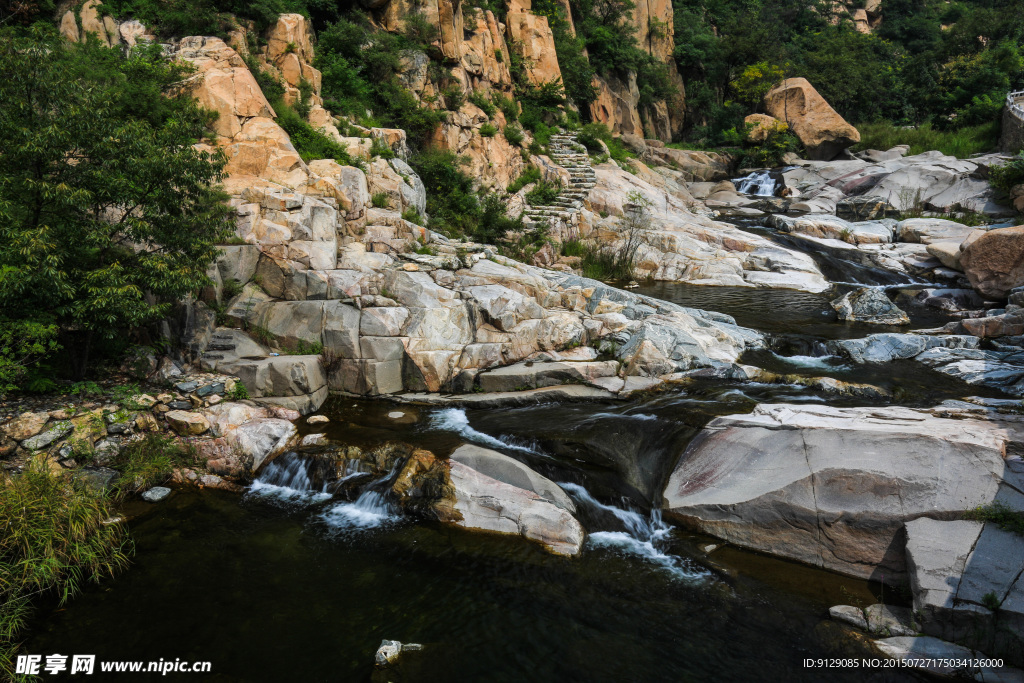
156, 494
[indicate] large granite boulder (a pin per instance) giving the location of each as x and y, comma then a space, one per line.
833, 487
994, 263
824, 132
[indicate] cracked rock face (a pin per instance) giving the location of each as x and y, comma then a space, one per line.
833, 487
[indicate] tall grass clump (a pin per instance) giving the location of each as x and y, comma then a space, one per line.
960, 143
150, 461
53, 540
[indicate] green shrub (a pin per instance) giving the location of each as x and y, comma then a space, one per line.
1009, 174
543, 193
591, 133
232, 288
302, 104
310, 143
379, 200
454, 97
514, 134
24, 344
237, 393
1000, 514
508, 106
150, 461
96, 130
483, 102
778, 142
488, 131
412, 215
530, 174
54, 540
379, 148
960, 143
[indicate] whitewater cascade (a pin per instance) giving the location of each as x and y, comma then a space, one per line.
641, 537
758, 183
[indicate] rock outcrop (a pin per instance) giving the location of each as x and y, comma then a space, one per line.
994, 262
868, 305
833, 487
822, 131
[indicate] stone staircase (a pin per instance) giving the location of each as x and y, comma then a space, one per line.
562, 215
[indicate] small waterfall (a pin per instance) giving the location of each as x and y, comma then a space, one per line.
370, 510
289, 479
758, 183
641, 536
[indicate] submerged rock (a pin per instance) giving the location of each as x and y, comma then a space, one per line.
868, 305
832, 487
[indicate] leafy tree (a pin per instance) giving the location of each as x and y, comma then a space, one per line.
755, 82
107, 211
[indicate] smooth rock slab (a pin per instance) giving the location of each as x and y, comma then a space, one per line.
833, 487
923, 649
885, 347
52, 435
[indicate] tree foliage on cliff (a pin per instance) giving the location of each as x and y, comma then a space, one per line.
107, 210
910, 70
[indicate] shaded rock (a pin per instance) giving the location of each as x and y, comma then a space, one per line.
533, 375
854, 616
52, 435
869, 305
96, 479
889, 620
859, 474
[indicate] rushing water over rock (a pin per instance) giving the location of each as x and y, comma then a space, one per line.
642, 537
758, 183
288, 479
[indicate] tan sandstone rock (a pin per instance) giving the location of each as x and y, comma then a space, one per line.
994, 262
823, 132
